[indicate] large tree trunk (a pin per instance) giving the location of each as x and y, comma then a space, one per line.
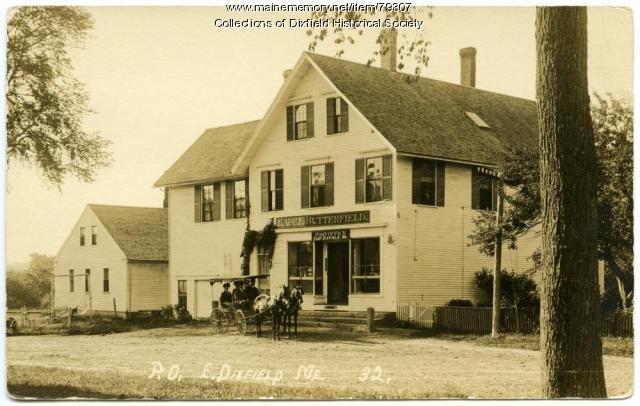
571, 345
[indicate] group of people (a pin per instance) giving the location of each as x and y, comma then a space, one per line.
243, 294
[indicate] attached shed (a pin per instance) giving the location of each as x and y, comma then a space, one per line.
114, 260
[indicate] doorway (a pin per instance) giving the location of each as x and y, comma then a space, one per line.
338, 273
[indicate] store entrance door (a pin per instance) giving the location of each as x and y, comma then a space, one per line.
338, 273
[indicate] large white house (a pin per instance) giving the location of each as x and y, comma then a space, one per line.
114, 259
372, 180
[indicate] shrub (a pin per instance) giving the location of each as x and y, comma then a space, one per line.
182, 314
515, 289
460, 303
167, 312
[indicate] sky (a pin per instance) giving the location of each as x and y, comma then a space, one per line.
159, 76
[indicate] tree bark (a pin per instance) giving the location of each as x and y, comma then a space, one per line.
497, 266
617, 273
571, 346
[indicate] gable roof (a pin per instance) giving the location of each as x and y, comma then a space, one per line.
140, 232
428, 117
210, 157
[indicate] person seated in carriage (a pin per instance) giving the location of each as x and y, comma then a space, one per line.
250, 291
226, 298
239, 297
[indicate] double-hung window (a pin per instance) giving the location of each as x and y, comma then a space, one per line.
337, 115
105, 280
373, 179
82, 236
300, 121
317, 185
182, 293
207, 202
272, 190
427, 182
484, 191
236, 195
94, 235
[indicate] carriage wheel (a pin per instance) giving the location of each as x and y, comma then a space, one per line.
217, 321
241, 322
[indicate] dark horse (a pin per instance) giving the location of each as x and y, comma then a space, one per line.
266, 307
291, 312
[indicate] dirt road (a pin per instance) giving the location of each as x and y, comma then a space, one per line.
382, 362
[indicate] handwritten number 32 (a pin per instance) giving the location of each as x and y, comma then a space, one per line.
374, 375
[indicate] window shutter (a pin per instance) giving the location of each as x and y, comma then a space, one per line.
279, 189
360, 180
331, 115
304, 186
415, 181
387, 188
228, 199
328, 184
264, 190
197, 203
475, 189
344, 110
216, 202
290, 123
440, 187
310, 119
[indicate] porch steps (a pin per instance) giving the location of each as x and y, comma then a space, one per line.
340, 319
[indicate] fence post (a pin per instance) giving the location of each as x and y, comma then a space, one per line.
115, 313
370, 317
69, 318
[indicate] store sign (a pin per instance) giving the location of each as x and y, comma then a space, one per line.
320, 220
330, 235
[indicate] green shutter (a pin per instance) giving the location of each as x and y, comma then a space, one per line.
387, 187
264, 190
344, 110
216, 201
416, 169
197, 203
310, 119
290, 123
328, 184
440, 185
360, 180
228, 199
304, 186
331, 115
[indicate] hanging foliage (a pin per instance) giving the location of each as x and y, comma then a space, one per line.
265, 240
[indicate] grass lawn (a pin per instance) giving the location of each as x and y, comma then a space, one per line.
619, 346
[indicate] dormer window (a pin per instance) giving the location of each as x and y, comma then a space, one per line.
300, 121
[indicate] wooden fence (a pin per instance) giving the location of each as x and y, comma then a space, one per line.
477, 320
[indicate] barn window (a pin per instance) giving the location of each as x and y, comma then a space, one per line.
105, 280
365, 257
182, 293
87, 279
300, 265
82, 236
94, 235
71, 281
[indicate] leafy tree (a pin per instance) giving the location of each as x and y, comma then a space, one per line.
570, 337
31, 288
613, 138
414, 46
45, 102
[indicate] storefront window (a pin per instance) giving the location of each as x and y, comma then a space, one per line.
366, 265
300, 265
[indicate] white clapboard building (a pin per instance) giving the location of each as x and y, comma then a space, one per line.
114, 259
371, 179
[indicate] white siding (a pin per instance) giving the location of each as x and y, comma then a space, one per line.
435, 263
342, 149
200, 250
106, 254
149, 286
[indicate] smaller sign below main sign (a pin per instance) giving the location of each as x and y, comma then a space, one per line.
330, 235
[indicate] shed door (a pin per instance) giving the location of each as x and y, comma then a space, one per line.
203, 299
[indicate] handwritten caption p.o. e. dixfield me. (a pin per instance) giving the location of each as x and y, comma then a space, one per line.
226, 373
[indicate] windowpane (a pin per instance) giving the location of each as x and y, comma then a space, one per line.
365, 265
207, 203
240, 201
318, 185
301, 121
105, 280
427, 182
182, 293
300, 265
94, 235
82, 236
263, 269
275, 190
374, 179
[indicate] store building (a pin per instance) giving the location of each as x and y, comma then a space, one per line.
371, 178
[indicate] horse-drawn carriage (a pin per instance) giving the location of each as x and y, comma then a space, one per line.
240, 314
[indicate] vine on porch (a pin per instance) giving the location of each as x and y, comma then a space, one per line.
264, 239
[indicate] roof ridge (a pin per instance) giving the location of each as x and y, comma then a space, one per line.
419, 77
123, 206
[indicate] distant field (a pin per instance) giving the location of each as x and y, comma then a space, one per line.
319, 364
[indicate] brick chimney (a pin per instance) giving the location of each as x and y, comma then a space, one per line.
389, 48
468, 67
